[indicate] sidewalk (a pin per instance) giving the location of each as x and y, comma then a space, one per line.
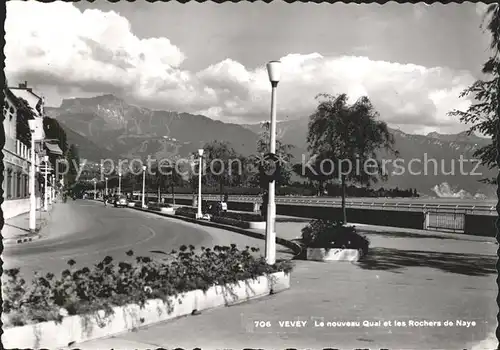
61, 219
16, 229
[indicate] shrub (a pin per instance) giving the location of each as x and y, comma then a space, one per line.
243, 216
107, 285
229, 221
186, 211
333, 234
158, 206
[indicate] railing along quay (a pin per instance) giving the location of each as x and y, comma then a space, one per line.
376, 205
468, 218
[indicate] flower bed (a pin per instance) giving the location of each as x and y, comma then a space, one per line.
88, 303
328, 240
107, 285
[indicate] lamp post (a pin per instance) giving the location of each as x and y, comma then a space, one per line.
119, 182
273, 70
143, 184
106, 190
200, 153
95, 188
45, 191
32, 216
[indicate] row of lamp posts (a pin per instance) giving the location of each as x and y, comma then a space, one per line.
120, 184
37, 134
273, 70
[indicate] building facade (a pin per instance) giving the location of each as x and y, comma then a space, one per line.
17, 150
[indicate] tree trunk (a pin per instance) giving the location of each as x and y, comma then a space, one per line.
344, 212
173, 187
221, 190
173, 193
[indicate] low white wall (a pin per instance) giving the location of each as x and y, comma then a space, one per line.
15, 207
126, 318
258, 225
332, 254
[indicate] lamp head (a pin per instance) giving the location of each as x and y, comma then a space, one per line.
274, 71
200, 152
143, 168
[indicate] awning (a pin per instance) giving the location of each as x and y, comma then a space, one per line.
54, 149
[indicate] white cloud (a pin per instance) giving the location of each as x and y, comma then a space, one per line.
57, 45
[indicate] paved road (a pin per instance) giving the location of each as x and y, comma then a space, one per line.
407, 277
86, 231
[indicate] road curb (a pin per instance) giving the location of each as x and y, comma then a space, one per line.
21, 240
297, 249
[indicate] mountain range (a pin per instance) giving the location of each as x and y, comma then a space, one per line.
108, 127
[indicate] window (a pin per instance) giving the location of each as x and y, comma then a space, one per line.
4, 183
26, 186
9, 184
18, 185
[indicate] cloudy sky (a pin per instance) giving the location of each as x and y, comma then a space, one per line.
411, 60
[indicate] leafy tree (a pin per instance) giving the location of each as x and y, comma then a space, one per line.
283, 151
53, 130
73, 164
24, 113
315, 171
222, 163
348, 135
482, 115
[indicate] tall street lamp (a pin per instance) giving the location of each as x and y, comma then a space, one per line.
95, 188
273, 70
45, 191
119, 182
34, 128
143, 184
106, 191
200, 153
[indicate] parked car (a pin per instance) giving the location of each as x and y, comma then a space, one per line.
120, 201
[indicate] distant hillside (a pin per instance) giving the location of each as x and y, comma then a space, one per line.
446, 149
87, 148
106, 126
125, 130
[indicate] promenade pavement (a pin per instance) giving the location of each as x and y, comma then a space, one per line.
404, 278
16, 229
